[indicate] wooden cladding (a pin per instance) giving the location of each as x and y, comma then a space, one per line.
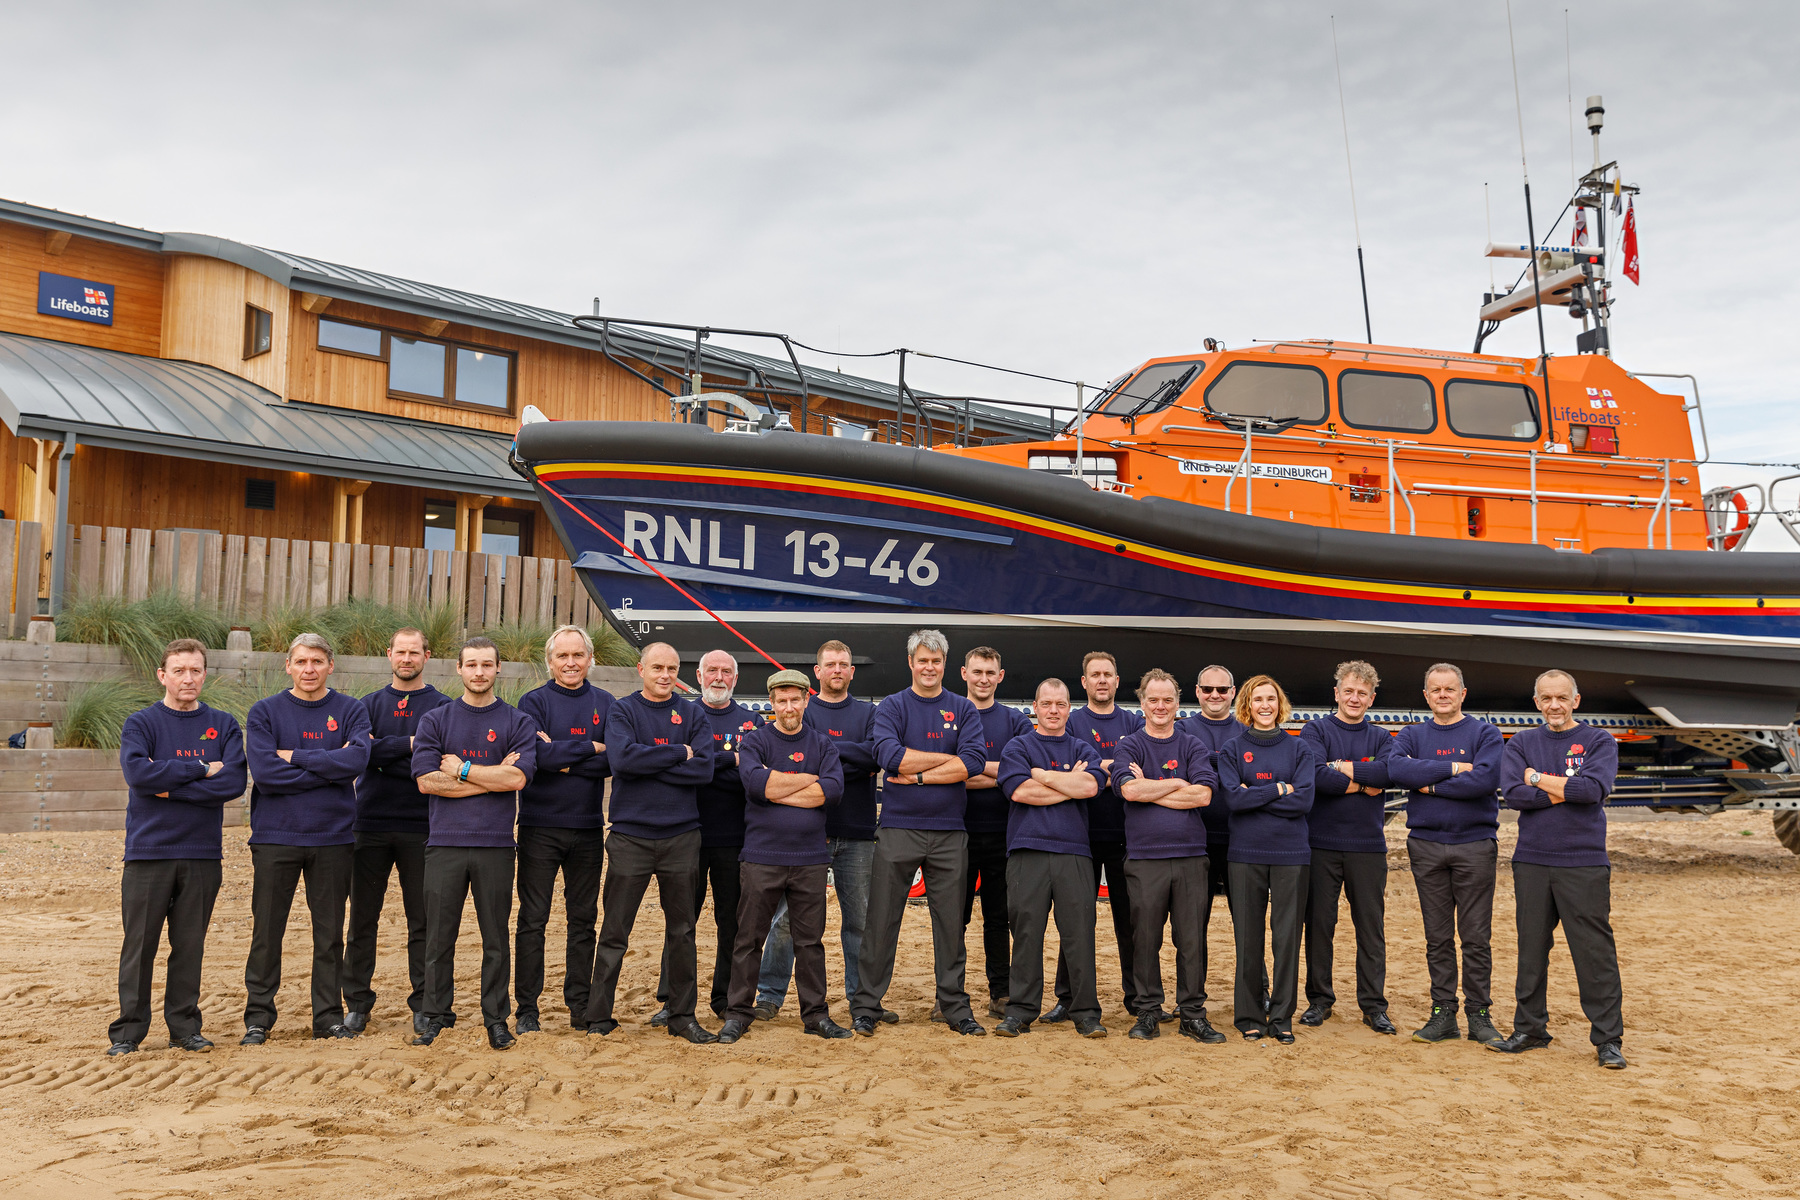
136, 277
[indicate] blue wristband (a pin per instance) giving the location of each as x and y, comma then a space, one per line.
463, 774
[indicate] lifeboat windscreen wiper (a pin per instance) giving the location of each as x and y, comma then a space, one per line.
1176, 385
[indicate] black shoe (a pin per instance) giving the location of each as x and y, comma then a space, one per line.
1611, 1057
429, 1033
1520, 1042
889, 1017
1284, 1036
660, 1018
969, 1027
1316, 1014
356, 1022
1378, 1021
1481, 1027
864, 1026
1012, 1027
1146, 1028
766, 1011
500, 1037
996, 1006
731, 1031
692, 1031
118, 1048
420, 1021
193, 1043
602, 1028
334, 1032
1090, 1027
937, 1015
527, 1023
1057, 1015
1253, 1033
1441, 1028
1164, 1016
255, 1035
1200, 1029
828, 1029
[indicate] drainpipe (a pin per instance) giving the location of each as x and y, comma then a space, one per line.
59, 554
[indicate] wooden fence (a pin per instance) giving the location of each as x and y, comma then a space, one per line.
250, 577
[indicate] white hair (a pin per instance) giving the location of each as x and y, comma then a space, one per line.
927, 639
587, 641
311, 641
725, 654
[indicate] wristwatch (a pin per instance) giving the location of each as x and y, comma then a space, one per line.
1533, 776
919, 778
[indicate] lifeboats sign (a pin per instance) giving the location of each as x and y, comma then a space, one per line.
76, 299
1203, 466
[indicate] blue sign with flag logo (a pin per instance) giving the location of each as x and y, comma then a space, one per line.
76, 299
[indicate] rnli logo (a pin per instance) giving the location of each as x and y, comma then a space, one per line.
210, 734
835, 732
402, 703
796, 756
674, 718
492, 736
1169, 766
331, 723
1249, 756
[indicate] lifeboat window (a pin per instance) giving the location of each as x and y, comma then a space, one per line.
1273, 392
1491, 410
1153, 389
1382, 400
1095, 468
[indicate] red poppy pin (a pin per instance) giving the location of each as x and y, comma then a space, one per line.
1169, 766
596, 717
674, 717
1577, 748
210, 734
797, 756
492, 736
948, 716
402, 703
331, 723
747, 725
1249, 757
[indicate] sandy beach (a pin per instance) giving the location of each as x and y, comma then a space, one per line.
1705, 913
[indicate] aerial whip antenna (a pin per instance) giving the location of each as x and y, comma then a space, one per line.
1530, 228
1569, 67
1355, 221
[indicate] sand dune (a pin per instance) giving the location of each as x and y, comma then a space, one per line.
1705, 916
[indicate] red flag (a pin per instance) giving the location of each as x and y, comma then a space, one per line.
1629, 247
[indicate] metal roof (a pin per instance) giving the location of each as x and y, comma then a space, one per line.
485, 312
161, 406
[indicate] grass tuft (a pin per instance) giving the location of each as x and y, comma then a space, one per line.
95, 715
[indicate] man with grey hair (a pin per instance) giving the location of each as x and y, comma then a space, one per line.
928, 743
305, 746
721, 825
562, 824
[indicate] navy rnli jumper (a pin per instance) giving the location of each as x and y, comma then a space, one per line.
1266, 827
945, 724
850, 726
1215, 734
1060, 828
1106, 812
1152, 831
1343, 816
310, 801
721, 798
566, 790
484, 737
989, 809
1459, 808
782, 835
388, 799
654, 780
1573, 833
162, 750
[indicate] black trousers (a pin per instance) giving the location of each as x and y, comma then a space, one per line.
1110, 857
1176, 892
762, 888
179, 892
943, 855
577, 853
452, 873
275, 872
987, 863
377, 856
1456, 898
1276, 895
674, 861
1038, 881
719, 865
1579, 899
1363, 878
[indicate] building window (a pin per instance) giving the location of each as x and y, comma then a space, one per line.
259, 331
437, 372
483, 378
503, 530
1382, 400
341, 337
259, 493
1491, 410
415, 367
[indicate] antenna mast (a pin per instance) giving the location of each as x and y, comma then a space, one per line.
1355, 221
1530, 227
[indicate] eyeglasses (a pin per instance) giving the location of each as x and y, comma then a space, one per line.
1214, 691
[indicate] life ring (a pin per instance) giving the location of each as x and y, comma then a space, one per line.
1730, 540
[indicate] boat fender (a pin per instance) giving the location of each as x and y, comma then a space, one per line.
1742, 527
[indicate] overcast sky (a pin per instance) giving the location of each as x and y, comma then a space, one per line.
1064, 188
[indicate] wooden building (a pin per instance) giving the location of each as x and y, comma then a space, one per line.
180, 381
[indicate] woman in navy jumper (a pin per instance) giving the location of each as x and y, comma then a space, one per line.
1267, 778
183, 761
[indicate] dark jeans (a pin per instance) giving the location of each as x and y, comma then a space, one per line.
1110, 858
987, 864
1176, 892
851, 859
764, 887
1277, 895
1456, 898
720, 865
1363, 878
180, 892
275, 872
1580, 900
377, 856
1038, 881
577, 853
943, 856
451, 874
674, 861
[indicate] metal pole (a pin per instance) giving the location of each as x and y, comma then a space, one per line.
1249, 466
1534, 529
900, 401
1080, 426
1668, 511
1393, 491
59, 554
